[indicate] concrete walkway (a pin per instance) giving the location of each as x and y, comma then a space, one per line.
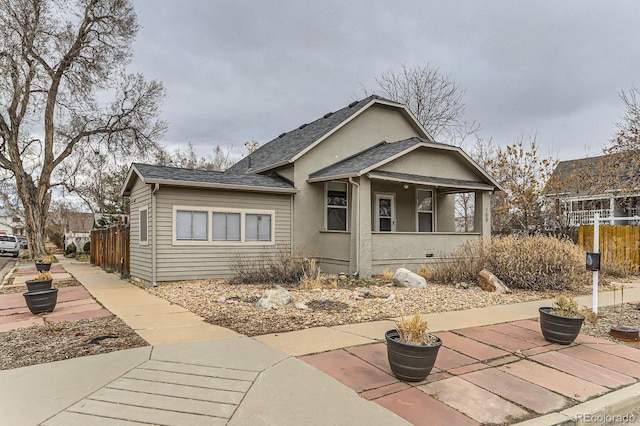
196, 373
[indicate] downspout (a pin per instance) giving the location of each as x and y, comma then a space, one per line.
154, 249
357, 223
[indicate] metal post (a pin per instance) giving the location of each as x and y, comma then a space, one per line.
596, 245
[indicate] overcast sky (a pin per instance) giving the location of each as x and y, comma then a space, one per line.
249, 70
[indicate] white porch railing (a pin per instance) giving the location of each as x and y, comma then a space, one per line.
585, 217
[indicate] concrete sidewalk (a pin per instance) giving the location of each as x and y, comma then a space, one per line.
196, 373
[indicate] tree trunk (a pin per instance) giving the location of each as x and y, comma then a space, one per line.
35, 215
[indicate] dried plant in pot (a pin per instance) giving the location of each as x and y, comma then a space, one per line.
42, 281
411, 349
561, 323
44, 264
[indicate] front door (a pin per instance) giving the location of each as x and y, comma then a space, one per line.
385, 213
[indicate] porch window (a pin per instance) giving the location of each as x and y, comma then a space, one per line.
257, 227
143, 226
191, 225
336, 206
424, 203
226, 226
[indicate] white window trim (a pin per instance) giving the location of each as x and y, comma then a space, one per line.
209, 241
140, 241
326, 206
377, 196
433, 210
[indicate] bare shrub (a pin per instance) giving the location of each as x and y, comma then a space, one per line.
461, 265
525, 262
276, 265
538, 262
615, 267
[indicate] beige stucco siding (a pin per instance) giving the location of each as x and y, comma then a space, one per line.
433, 163
140, 255
178, 261
410, 250
376, 124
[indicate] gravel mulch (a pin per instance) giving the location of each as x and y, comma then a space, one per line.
621, 315
233, 306
58, 341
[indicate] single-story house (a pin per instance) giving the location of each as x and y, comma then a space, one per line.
361, 189
607, 185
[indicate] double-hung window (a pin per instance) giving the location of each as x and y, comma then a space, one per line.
192, 225
424, 203
257, 227
226, 226
336, 206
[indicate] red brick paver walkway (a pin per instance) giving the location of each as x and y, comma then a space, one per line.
503, 373
74, 303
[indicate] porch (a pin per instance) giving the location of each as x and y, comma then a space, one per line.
372, 223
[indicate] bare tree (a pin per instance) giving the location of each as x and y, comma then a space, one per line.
523, 173
218, 160
434, 98
59, 59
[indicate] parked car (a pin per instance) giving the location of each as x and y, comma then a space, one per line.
9, 245
22, 241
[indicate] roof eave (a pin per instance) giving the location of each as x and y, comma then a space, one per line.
125, 191
469, 186
216, 185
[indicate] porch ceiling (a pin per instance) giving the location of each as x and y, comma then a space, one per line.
437, 182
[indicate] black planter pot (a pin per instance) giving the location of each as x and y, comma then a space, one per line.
43, 266
557, 328
35, 285
411, 363
42, 300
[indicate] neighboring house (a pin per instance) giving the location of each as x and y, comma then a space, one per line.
74, 227
12, 224
361, 189
607, 184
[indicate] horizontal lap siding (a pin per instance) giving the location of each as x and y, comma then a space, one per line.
140, 255
186, 262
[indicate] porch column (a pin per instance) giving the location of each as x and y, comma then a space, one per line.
361, 227
482, 216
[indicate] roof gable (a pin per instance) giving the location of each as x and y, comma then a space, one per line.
385, 152
289, 146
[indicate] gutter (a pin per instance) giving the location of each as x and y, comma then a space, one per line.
154, 245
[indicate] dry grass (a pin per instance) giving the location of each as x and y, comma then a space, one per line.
414, 331
388, 274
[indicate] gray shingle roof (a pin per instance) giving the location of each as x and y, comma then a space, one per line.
154, 174
367, 158
595, 176
286, 146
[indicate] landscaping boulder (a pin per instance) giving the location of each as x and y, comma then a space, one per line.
491, 283
274, 298
405, 278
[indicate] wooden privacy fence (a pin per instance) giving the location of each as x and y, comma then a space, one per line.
110, 248
617, 242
